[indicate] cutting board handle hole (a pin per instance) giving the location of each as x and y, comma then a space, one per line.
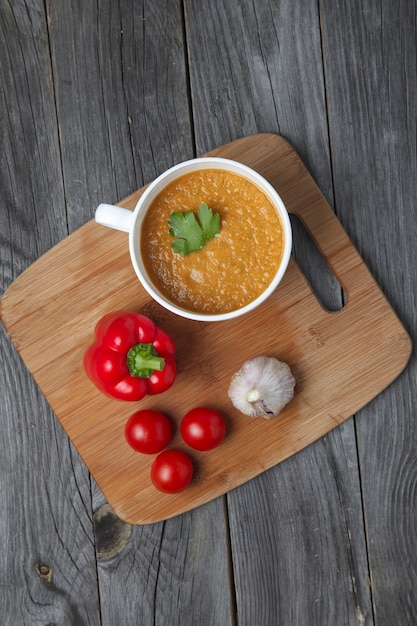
315, 268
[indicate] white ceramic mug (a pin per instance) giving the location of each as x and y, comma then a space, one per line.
131, 222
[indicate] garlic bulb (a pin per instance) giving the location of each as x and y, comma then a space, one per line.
262, 387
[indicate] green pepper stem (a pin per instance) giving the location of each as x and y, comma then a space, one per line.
143, 360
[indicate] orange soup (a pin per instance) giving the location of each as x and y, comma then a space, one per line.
234, 267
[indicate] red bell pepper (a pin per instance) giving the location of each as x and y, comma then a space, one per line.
130, 357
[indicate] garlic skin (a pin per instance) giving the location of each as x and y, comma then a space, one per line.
262, 387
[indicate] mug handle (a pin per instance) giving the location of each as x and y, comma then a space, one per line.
114, 217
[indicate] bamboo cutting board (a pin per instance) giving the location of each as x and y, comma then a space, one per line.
340, 360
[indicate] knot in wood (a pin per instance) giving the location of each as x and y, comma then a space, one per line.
111, 533
44, 571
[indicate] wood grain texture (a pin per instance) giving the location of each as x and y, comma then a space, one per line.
267, 77
123, 105
304, 555
48, 572
281, 44
95, 101
171, 563
375, 192
79, 275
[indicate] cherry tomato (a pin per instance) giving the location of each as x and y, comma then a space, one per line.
148, 431
203, 428
172, 471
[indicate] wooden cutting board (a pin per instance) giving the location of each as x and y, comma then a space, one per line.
340, 360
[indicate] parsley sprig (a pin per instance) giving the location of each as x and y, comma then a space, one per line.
192, 231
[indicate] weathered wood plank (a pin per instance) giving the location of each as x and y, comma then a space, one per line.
121, 98
124, 118
118, 72
297, 538
298, 544
170, 573
48, 569
372, 93
252, 66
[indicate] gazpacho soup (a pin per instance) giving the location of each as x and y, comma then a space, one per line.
234, 266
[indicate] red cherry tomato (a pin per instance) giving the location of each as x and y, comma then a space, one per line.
148, 431
172, 471
203, 428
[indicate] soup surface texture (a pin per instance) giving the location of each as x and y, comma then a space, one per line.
234, 267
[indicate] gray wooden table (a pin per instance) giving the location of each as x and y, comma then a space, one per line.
96, 99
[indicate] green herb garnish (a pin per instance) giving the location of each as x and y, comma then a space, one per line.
193, 231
